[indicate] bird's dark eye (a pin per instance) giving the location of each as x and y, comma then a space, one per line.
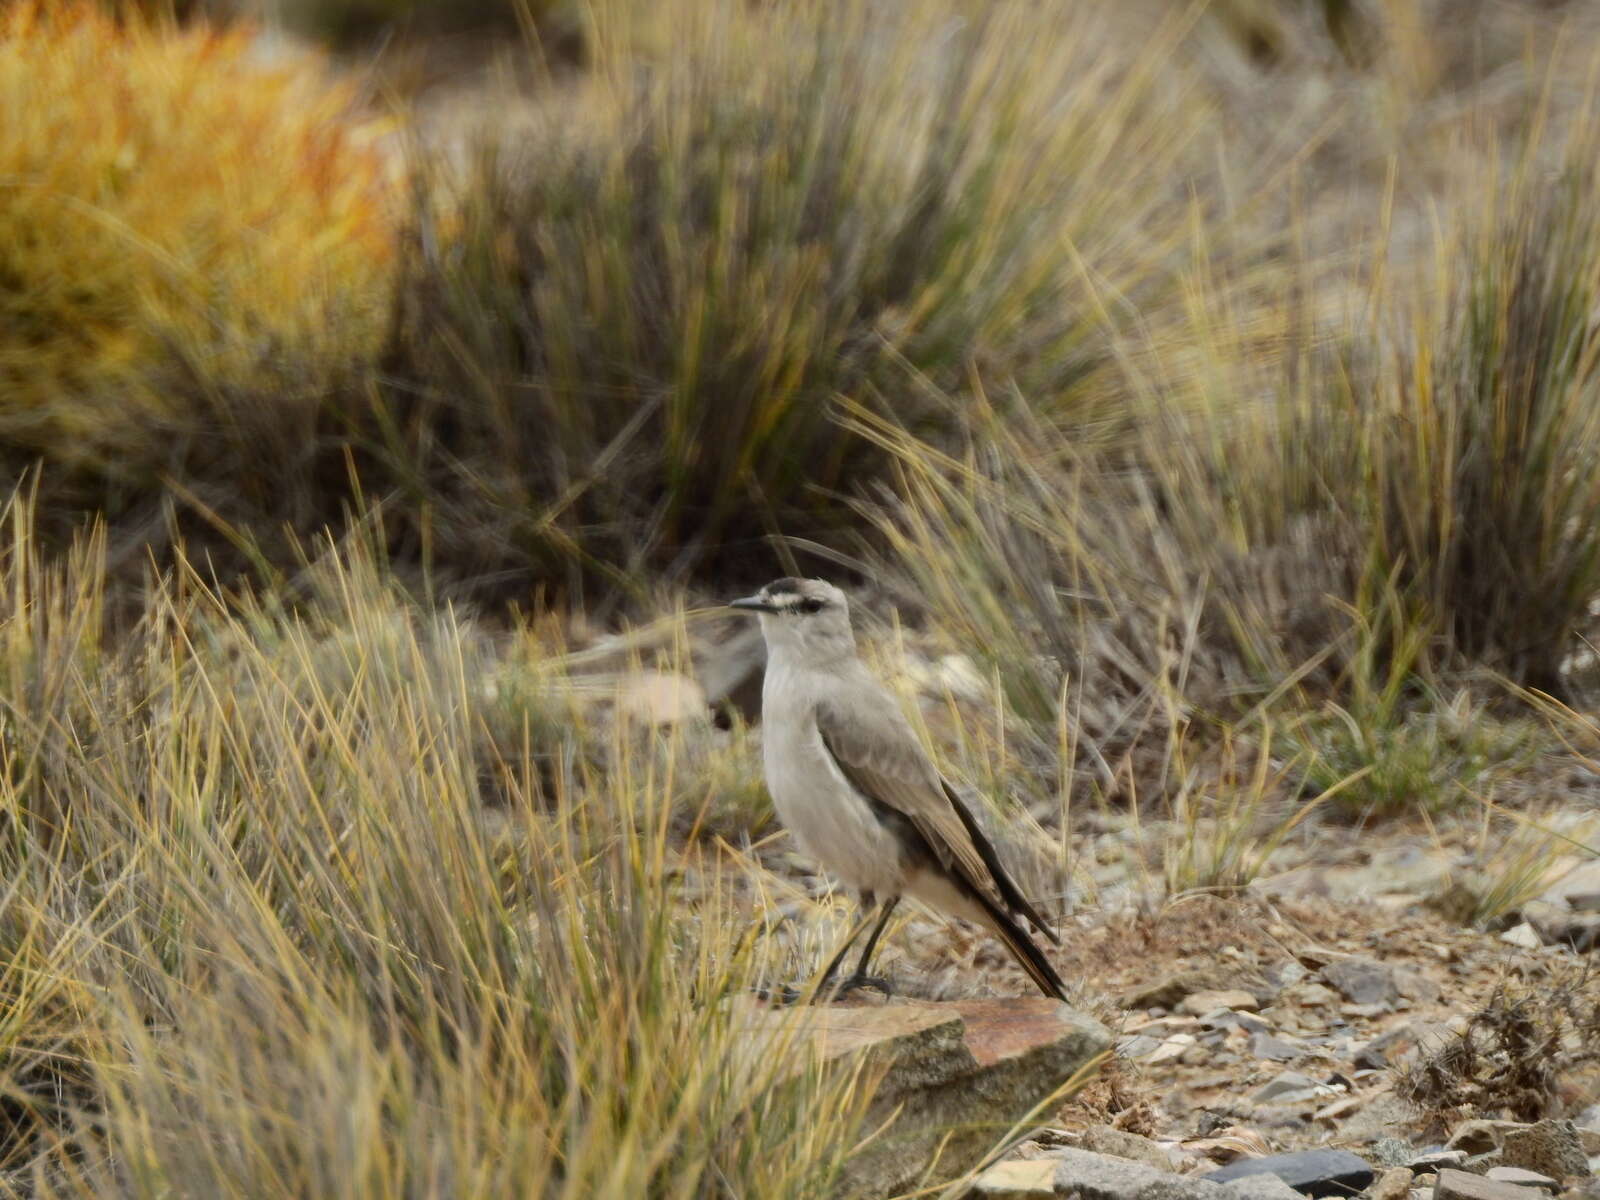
810, 606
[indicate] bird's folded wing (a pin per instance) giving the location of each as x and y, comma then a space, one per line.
881, 757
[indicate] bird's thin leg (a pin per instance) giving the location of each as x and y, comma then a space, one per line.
788, 994
877, 931
860, 978
832, 968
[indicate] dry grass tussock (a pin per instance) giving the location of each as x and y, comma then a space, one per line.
1341, 533
258, 934
626, 325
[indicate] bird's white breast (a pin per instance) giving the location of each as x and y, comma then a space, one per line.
832, 822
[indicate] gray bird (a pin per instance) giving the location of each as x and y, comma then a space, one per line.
854, 786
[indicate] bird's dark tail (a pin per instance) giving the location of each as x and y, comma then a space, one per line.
1023, 948
1009, 891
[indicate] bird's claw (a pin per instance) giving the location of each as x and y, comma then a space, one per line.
854, 983
783, 995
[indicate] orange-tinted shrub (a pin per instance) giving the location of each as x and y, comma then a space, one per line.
182, 218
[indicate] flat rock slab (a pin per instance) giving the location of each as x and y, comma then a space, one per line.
954, 1078
1463, 1185
1086, 1175
1522, 1178
1309, 1172
1288, 1087
1169, 992
1104, 1139
1480, 1136
1083, 1175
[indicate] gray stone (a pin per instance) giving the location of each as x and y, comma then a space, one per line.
1381, 1114
1588, 1124
1462, 1185
1364, 1011
1337, 1110
1119, 1143
1227, 1018
1391, 1152
1414, 985
1547, 918
1274, 1049
1430, 1162
1522, 1178
1309, 1172
1582, 881
1169, 992
1088, 1176
1369, 1057
1363, 981
1549, 1147
1286, 1084
1580, 932
941, 1063
1315, 995
1261, 1187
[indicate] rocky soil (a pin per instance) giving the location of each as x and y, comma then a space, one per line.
1374, 1047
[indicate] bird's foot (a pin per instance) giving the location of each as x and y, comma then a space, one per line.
855, 983
785, 994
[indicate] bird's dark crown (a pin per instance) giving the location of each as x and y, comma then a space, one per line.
798, 596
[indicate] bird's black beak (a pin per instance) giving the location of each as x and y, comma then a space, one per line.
753, 604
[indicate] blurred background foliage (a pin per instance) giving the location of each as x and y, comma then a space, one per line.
1262, 326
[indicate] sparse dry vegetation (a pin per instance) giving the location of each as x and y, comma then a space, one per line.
1511, 1053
